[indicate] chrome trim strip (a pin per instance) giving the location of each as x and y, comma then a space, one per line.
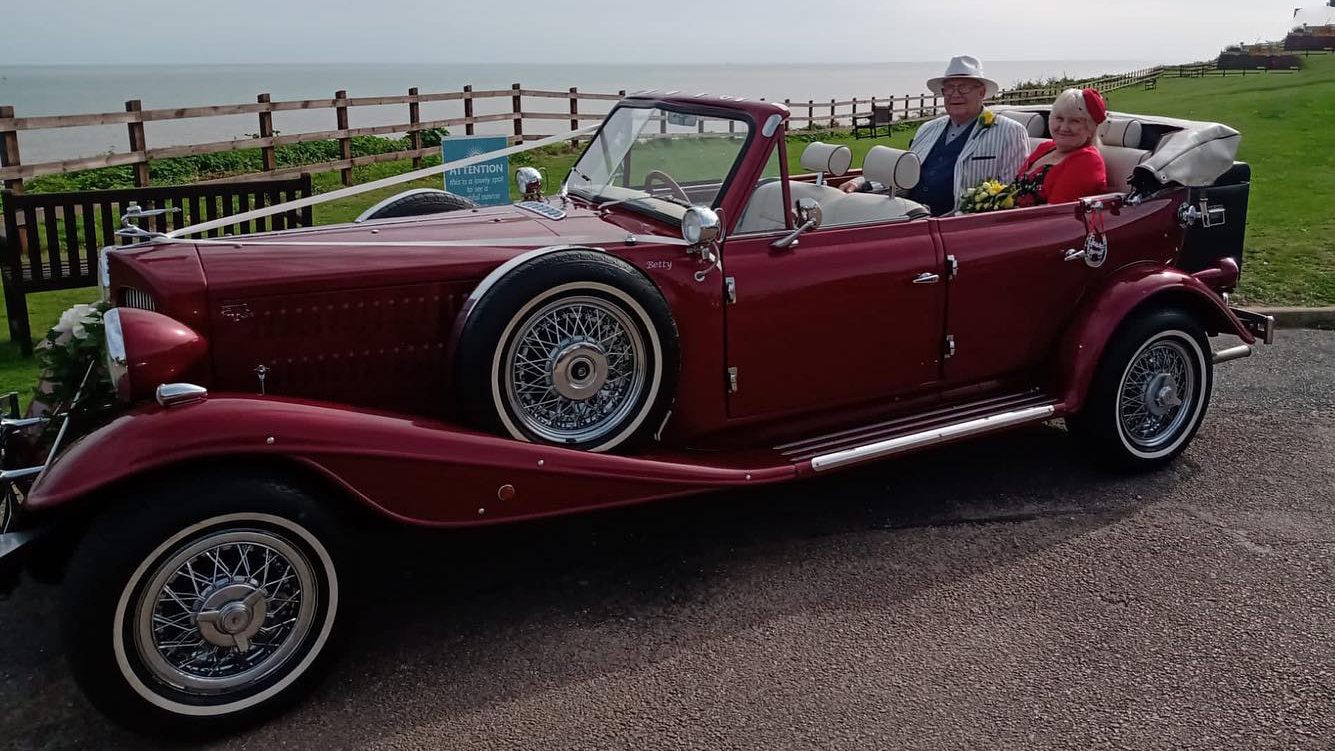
104, 272
367, 214
930, 437
1232, 353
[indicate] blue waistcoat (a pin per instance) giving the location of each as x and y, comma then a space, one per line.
936, 186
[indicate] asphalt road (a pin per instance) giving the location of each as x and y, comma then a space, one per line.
998, 594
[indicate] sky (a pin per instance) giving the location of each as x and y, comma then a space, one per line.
640, 31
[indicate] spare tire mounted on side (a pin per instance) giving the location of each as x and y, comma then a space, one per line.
574, 348
419, 202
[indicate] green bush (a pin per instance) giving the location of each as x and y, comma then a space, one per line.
191, 169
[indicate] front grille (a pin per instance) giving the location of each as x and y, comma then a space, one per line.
133, 298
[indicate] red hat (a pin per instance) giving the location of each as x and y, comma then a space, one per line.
1098, 109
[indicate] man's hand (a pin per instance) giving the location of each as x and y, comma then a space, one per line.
852, 186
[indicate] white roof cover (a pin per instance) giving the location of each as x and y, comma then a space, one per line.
1195, 154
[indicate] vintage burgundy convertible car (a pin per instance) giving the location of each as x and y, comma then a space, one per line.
683, 316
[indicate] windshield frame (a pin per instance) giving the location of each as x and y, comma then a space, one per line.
725, 113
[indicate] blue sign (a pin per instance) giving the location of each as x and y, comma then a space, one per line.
488, 182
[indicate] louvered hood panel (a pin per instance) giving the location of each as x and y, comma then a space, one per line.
379, 347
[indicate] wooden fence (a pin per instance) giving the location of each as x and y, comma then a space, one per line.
13, 171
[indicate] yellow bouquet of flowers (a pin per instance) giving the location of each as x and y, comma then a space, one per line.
989, 195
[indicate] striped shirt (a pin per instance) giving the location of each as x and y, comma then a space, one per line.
992, 153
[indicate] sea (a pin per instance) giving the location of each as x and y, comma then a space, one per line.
79, 89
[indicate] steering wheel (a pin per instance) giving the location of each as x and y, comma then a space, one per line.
667, 180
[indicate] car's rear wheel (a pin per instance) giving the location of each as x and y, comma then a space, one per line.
203, 607
1150, 392
574, 348
417, 203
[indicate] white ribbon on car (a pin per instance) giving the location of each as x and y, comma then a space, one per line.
332, 195
504, 242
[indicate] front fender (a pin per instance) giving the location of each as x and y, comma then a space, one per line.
1124, 293
413, 470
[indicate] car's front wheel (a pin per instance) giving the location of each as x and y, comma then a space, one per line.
1150, 392
202, 607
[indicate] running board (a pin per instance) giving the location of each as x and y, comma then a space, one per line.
931, 437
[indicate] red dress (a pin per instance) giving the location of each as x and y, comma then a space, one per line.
1081, 173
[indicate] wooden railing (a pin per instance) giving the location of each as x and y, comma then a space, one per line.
13, 171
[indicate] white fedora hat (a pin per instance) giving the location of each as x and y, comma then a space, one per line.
964, 67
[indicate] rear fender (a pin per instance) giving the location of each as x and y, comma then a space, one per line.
1126, 293
411, 470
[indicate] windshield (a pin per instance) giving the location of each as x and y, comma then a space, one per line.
662, 160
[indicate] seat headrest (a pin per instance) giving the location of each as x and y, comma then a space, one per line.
827, 158
900, 170
1123, 132
1033, 122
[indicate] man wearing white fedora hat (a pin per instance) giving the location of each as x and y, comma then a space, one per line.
967, 145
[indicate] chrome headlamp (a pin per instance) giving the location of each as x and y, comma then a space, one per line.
529, 182
699, 226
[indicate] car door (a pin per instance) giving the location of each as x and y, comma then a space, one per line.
848, 314
1012, 291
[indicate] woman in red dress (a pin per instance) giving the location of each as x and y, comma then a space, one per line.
1070, 165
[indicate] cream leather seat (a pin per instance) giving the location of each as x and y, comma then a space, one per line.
1121, 151
765, 212
897, 169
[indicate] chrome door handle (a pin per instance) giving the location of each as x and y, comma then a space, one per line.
927, 277
1073, 255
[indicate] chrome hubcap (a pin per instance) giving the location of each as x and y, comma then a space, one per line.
579, 371
575, 370
1158, 394
225, 611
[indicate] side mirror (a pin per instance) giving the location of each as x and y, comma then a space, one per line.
808, 214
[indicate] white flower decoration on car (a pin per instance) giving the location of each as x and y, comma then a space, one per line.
72, 323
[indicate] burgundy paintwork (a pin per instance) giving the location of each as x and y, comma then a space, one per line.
832, 340
164, 351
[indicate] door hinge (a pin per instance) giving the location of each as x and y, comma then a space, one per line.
731, 285
949, 349
952, 267
732, 380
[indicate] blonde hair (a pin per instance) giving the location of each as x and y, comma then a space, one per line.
1071, 103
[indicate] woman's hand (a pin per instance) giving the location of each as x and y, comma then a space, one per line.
852, 186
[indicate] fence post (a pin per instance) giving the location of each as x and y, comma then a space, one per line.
833, 121
137, 144
344, 143
574, 108
268, 158
811, 113
9, 149
415, 117
518, 108
468, 110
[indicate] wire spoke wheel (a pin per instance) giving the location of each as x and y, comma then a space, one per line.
225, 611
1157, 394
575, 369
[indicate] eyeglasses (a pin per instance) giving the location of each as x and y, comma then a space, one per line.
959, 88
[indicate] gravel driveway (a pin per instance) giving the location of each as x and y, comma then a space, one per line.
996, 594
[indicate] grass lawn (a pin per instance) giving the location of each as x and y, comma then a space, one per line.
1286, 125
